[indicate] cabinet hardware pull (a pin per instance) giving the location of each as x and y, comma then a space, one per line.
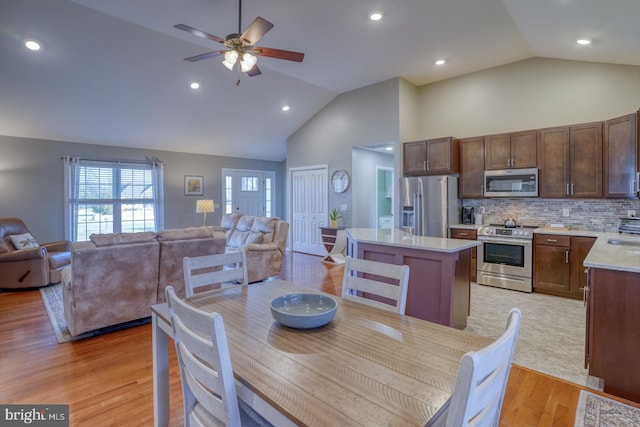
551, 240
566, 257
572, 188
567, 192
424, 165
633, 187
464, 234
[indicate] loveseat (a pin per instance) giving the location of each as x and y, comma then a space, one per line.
115, 278
264, 239
23, 262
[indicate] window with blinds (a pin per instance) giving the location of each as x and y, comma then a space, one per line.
114, 197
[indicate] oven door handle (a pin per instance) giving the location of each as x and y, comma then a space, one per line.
505, 241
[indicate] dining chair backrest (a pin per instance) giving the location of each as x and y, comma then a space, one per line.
364, 279
482, 380
209, 270
208, 386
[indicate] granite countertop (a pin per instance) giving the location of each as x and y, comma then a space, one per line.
399, 238
622, 257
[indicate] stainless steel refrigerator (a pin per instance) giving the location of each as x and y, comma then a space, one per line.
429, 205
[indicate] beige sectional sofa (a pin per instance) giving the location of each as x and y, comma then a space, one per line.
263, 238
115, 278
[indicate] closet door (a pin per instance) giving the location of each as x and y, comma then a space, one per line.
309, 194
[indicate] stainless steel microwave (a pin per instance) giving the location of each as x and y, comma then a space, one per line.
511, 183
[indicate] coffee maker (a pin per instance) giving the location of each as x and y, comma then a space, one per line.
467, 215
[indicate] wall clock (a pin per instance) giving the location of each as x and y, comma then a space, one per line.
340, 181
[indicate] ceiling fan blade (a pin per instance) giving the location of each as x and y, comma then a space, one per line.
204, 56
255, 71
198, 33
279, 54
256, 30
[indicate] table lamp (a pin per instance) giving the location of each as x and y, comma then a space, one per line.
204, 206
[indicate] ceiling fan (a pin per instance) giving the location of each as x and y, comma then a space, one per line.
242, 46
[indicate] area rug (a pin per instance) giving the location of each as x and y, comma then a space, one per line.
52, 299
598, 411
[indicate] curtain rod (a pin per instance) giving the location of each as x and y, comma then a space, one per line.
144, 162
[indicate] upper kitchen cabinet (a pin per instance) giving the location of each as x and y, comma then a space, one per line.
431, 157
620, 157
471, 167
511, 150
570, 161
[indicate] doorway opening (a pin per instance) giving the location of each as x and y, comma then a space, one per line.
384, 196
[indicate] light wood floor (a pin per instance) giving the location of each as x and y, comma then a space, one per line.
107, 379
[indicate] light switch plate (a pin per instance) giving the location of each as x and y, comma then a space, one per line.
565, 212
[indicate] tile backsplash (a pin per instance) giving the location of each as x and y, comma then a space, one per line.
589, 214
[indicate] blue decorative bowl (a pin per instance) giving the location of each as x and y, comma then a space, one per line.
303, 311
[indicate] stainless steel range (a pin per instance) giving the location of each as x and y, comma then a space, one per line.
505, 258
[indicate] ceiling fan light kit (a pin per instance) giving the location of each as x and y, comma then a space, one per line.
242, 46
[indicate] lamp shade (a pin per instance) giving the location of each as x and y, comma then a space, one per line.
204, 206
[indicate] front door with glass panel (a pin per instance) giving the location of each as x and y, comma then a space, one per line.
249, 192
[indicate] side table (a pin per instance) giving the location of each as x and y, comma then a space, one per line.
335, 241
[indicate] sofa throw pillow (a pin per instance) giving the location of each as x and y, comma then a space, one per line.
24, 241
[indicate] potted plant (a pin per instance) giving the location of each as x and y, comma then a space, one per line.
334, 215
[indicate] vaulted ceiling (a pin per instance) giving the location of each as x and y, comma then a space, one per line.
112, 72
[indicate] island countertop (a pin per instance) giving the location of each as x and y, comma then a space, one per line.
399, 238
622, 257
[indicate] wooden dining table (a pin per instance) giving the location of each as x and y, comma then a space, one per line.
366, 367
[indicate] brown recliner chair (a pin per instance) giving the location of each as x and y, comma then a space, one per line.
31, 267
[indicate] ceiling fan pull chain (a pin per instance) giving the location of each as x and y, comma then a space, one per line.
239, 16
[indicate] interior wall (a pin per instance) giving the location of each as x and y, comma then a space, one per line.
361, 117
31, 181
364, 185
529, 94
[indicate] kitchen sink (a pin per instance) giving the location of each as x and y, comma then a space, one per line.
623, 242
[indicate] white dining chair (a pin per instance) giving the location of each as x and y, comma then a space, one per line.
361, 281
208, 386
210, 270
482, 380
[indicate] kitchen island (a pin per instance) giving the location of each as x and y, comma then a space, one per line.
613, 297
440, 270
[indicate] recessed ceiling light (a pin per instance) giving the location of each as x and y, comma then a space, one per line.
195, 85
376, 15
33, 45
440, 62
285, 108
583, 41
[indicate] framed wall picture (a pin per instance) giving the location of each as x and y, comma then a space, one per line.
193, 185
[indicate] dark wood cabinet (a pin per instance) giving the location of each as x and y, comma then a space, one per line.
557, 262
570, 161
551, 264
471, 167
431, 157
613, 337
620, 151
511, 150
467, 234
